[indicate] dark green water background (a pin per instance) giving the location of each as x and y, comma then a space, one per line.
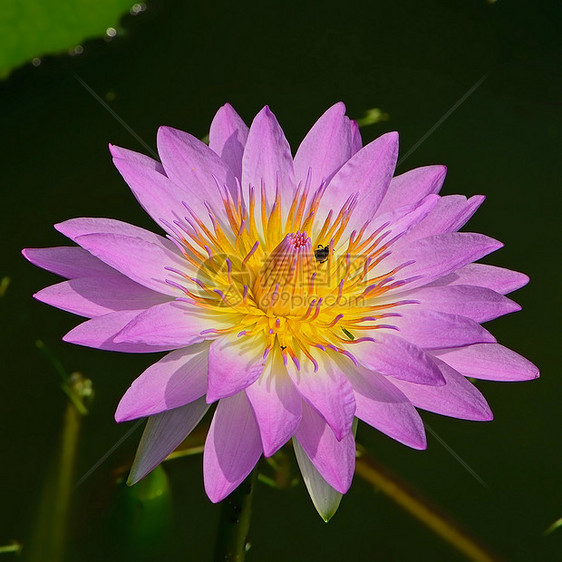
175, 65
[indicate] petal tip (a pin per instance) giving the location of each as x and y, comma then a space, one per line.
122, 337
131, 481
38, 296
68, 338
216, 493
326, 516
123, 412
419, 443
65, 227
338, 107
265, 111
210, 396
164, 132
535, 373
523, 279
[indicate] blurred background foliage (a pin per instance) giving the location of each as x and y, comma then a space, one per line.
30, 29
398, 66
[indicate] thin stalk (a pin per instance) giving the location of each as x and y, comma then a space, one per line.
234, 523
48, 541
421, 508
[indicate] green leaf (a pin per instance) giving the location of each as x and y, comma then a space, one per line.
31, 29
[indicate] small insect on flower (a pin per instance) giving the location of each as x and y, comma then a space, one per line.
322, 253
291, 346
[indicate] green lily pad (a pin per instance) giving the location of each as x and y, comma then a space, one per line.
31, 29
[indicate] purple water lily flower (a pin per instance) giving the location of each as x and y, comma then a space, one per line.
298, 293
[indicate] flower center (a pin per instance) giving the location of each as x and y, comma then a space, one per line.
284, 282
263, 274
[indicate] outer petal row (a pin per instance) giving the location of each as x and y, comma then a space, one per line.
457, 397
267, 163
227, 138
96, 296
100, 333
136, 253
163, 433
328, 391
326, 499
381, 404
193, 166
327, 146
478, 303
497, 279
333, 458
367, 174
176, 380
67, 261
277, 405
428, 259
489, 362
232, 447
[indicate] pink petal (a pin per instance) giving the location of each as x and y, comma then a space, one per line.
227, 137
232, 448
411, 187
429, 329
234, 364
142, 261
67, 261
326, 500
157, 195
367, 173
328, 391
497, 279
162, 435
393, 356
276, 405
116, 242
327, 146
171, 324
100, 333
176, 380
96, 296
73, 228
489, 362
192, 165
383, 406
137, 253
356, 141
135, 158
333, 458
436, 256
449, 215
456, 398
268, 162
400, 221
478, 303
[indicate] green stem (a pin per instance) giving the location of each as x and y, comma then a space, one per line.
234, 523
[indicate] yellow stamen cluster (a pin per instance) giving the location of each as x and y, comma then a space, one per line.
298, 282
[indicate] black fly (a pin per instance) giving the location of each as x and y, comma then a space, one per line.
321, 253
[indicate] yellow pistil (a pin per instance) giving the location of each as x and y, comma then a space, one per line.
297, 281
